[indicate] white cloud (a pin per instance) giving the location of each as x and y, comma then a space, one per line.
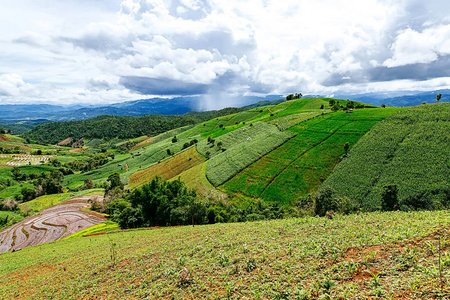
412, 47
12, 85
72, 52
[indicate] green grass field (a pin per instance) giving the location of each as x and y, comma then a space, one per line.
299, 166
8, 218
410, 150
242, 148
371, 255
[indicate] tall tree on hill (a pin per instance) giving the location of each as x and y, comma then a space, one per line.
438, 97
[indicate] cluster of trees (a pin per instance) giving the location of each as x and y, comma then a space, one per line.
93, 161
43, 184
15, 150
335, 105
123, 127
169, 203
294, 96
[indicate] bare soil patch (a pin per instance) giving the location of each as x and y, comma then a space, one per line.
65, 142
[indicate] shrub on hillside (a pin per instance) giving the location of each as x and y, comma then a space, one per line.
326, 200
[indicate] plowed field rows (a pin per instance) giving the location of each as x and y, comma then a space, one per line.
51, 224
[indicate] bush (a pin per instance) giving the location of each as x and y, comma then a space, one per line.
326, 199
389, 197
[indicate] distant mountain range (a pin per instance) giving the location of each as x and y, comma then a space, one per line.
397, 99
175, 106
13, 114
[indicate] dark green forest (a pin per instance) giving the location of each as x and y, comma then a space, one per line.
122, 127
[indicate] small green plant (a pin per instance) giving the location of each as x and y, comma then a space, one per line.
375, 279
327, 285
112, 250
352, 267
224, 260
250, 265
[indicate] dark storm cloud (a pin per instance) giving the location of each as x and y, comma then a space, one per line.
162, 86
417, 72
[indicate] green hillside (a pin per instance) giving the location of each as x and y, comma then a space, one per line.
363, 256
408, 151
154, 150
299, 166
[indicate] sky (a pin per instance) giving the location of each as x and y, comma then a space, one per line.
106, 51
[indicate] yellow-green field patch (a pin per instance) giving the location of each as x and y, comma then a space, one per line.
168, 168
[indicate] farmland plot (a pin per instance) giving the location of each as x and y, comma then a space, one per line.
51, 224
242, 148
391, 255
410, 150
15, 160
167, 169
299, 166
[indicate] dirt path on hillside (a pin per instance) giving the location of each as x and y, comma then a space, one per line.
49, 225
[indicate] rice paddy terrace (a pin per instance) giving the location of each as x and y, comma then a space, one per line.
49, 225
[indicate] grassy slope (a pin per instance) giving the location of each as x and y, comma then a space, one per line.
410, 149
13, 218
301, 164
280, 259
154, 150
167, 169
242, 148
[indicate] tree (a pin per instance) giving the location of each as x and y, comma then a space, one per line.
332, 102
114, 181
346, 146
383, 105
88, 184
335, 107
389, 197
438, 97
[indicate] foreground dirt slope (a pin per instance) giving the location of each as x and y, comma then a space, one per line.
51, 224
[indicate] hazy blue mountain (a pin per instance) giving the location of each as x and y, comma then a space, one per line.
404, 98
175, 106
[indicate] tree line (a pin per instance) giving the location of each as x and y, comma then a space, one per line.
122, 127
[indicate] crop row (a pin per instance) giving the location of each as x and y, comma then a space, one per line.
300, 165
244, 147
409, 150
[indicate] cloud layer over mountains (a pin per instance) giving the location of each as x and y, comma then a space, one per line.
81, 51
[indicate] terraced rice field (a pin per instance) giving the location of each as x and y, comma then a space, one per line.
15, 160
51, 224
